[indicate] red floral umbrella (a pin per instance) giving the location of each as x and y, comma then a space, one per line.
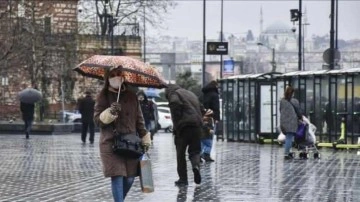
136, 72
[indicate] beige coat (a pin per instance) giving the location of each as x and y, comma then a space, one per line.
130, 120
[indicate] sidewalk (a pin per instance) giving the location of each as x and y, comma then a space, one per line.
60, 168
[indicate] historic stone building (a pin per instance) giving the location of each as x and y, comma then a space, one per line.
40, 45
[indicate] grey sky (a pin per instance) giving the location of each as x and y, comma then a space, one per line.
241, 15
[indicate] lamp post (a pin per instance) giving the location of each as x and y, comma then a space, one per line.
221, 37
204, 42
273, 63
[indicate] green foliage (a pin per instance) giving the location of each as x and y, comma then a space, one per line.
187, 82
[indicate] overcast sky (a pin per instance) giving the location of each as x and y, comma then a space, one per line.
186, 20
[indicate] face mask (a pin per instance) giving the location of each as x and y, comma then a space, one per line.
115, 82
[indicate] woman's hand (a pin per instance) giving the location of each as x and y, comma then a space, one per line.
115, 108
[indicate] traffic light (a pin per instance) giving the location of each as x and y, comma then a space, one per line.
294, 15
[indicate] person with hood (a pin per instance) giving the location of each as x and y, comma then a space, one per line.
147, 108
187, 120
126, 117
289, 119
86, 109
211, 101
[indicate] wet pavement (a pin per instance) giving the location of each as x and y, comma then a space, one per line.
60, 168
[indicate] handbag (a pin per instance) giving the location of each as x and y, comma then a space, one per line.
127, 145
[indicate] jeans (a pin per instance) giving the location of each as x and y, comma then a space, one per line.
206, 145
148, 126
120, 186
288, 142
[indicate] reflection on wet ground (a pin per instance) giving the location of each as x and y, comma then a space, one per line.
60, 168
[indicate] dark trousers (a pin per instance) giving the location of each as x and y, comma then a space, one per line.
28, 125
187, 138
85, 126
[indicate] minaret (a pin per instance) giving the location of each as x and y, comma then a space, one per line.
261, 21
305, 22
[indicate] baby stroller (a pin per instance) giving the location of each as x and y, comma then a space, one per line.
305, 140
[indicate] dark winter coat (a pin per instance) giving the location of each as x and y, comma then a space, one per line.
147, 108
86, 108
184, 107
211, 99
130, 120
27, 111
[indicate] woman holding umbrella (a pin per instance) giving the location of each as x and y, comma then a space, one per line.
117, 107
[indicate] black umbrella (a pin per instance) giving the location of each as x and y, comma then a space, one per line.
30, 95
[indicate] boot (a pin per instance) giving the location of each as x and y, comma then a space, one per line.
197, 175
207, 158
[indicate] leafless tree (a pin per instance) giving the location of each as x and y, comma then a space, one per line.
112, 13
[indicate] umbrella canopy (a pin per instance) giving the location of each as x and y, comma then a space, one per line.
151, 92
136, 72
29, 95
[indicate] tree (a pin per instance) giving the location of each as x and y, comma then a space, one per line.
111, 13
187, 82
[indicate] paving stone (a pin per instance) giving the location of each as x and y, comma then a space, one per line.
60, 168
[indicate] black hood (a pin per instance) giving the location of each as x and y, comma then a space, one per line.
170, 89
212, 86
141, 92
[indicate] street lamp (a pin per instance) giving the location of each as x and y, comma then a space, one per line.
273, 63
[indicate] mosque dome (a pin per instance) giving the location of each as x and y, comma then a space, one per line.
278, 28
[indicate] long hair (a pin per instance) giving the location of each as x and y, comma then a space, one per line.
289, 91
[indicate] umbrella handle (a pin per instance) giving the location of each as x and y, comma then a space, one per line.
118, 96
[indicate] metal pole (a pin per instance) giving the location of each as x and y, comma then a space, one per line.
337, 24
273, 60
300, 36
204, 41
144, 36
221, 37
112, 33
332, 36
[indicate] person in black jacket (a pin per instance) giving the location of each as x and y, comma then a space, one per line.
187, 119
27, 111
211, 101
86, 109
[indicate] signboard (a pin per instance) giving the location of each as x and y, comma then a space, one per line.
228, 67
217, 48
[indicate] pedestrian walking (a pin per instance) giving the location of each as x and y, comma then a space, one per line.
86, 109
27, 111
187, 120
147, 108
126, 117
211, 100
208, 135
290, 115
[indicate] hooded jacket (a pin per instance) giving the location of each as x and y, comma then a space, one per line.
184, 107
211, 99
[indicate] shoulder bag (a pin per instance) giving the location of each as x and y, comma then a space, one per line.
127, 145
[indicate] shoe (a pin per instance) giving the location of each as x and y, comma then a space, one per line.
289, 156
181, 183
27, 135
197, 176
92, 142
207, 158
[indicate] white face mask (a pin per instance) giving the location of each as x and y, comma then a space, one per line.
115, 82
